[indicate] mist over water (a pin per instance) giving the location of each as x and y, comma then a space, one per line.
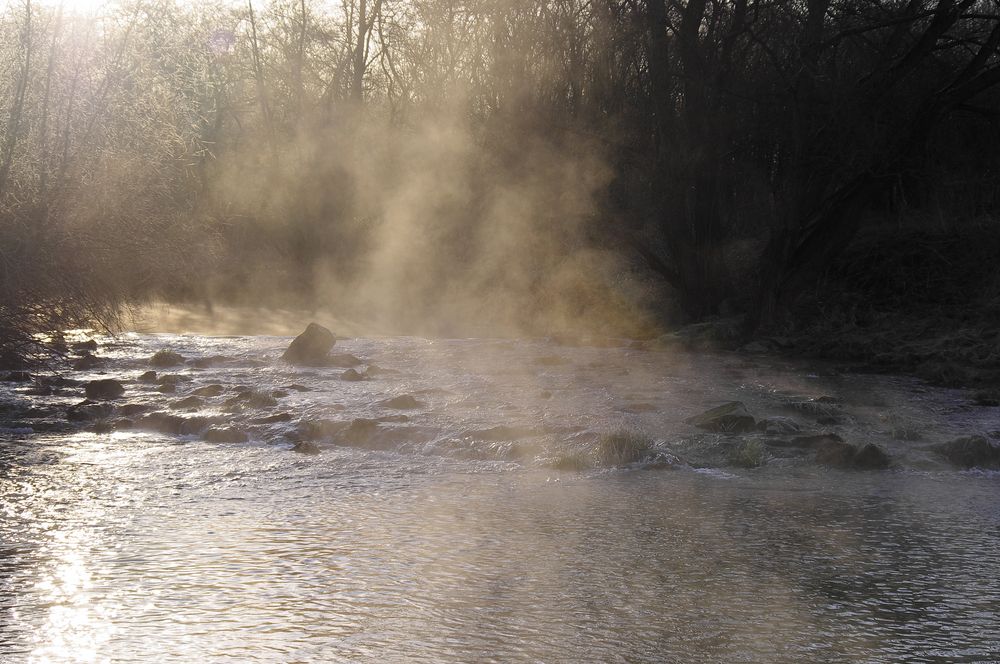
499, 206
444, 535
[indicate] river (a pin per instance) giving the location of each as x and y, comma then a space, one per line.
445, 532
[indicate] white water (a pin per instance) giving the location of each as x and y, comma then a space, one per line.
445, 538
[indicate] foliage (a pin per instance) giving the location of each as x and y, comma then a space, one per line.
621, 448
748, 454
448, 162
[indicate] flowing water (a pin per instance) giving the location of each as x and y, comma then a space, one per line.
442, 532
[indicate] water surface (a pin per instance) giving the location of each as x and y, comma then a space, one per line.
444, 537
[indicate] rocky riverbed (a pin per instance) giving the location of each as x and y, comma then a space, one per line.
180, 497
533, 403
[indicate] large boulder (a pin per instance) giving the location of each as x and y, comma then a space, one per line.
970, 452
107, 388
311, 347
730, 417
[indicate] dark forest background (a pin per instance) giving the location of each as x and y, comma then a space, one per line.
821, 167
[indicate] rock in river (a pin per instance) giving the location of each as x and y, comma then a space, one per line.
166, 358
305, 447
832, 451
352, 376
310, 347
970, 452
403, 402
187, 403
226, 435
107, 388
731, 417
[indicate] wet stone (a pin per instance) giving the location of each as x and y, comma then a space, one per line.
251, 399
87, 362
148, 377
131, 409
88, 346
107, 388
306, 447
187, 403
970, 452
870, 457
343, 361
777, 426
209, 362
209, 391
403, 402
87, 411
273, 419
225, 435
352, 376
166, 358
835, 453
731, 417
310, 347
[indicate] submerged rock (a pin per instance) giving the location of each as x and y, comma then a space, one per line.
131, 409
305, 447
107, 388
87, 362
226, 435
209, 391
343, 361
208, 362
88, 346
352, 376
250, 399
311, 347
187, 403
273, 419
148, 377
403, 402
970, 452
776, 426
166, 358
15, 376
831, 451
731, 417
870, 457
88, 411
834, 452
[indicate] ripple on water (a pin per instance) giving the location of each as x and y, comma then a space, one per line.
441, 545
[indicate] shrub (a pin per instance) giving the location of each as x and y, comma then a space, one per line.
748, 454
620, 448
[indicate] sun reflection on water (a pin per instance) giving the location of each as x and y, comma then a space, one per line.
66, 506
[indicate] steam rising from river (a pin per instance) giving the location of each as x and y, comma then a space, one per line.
439, 230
